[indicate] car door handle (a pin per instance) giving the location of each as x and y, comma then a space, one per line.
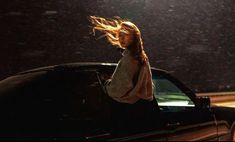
176, 124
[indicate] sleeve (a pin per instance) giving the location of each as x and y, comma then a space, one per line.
122, 79
144, 87
145, 81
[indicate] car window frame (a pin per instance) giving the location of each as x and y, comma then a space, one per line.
178, 84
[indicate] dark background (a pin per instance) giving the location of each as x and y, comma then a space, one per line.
193, 39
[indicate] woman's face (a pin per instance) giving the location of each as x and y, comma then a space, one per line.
125, 37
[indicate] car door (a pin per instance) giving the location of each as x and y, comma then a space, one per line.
81, 112
185, 121
60, 104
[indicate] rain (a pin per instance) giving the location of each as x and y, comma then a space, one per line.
193, 40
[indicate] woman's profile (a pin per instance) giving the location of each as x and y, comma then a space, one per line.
132, 78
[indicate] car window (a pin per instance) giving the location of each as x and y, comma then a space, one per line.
169, 96
82, 99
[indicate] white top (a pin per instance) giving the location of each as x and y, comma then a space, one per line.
123, 88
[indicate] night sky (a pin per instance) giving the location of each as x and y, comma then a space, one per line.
192, 39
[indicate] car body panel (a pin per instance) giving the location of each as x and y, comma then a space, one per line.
67, 102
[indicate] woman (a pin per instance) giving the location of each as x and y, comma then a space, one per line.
131, 84
132, 78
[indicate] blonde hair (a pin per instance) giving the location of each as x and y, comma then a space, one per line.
111, 28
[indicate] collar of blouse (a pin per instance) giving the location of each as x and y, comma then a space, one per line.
125, 52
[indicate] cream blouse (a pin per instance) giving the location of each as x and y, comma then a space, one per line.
131, 81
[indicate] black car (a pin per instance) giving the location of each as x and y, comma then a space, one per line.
68, 102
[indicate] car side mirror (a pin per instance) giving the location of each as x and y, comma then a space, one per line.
204, 102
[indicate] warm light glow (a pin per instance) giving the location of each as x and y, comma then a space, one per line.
176, 103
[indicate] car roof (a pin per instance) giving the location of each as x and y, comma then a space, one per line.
23, 77
80, 65
27, 76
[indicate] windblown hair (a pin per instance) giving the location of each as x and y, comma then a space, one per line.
111, 28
